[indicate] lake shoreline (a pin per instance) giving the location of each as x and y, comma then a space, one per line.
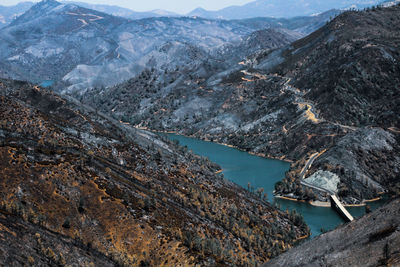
317, 203
246, 169
323, 204
222, 144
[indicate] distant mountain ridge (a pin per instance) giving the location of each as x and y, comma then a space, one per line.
282, 9
83, 48
9, 13
260, 8
124, 12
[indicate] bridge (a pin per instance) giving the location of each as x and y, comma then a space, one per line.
336, 205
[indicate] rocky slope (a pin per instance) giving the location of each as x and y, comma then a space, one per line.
76, 185
332, 94
373, 240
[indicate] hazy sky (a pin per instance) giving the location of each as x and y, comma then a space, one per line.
179, 6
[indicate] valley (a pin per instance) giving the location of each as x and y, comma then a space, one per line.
260, 175
105, 187
268, 106
218, 138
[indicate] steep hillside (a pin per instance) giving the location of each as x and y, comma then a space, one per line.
77, 184
330, 99
350, 72
352, 68
373, 240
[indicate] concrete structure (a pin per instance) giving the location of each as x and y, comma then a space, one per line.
336, 205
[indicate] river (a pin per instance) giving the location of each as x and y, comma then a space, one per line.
243, 168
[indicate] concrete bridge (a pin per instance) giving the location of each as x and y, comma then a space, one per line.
336, 205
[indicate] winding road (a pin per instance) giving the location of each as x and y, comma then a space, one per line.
306, 167
311, 113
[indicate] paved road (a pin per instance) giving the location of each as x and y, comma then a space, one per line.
304, 171
308, 165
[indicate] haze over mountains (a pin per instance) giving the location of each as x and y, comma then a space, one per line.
260, 8
279, 9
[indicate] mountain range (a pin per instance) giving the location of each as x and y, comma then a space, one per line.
170, 59
116, 49
260, 8
334, 93
279, 9
9, 13
83, 181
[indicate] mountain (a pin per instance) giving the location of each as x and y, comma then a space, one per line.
78, 186
350, 71
329, 100
257, 41
389, 3
279, 9
343, 76
9, 13
81, 48
370, 241
304, 25
123, 12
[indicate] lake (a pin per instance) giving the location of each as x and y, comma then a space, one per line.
242, 168
47, 83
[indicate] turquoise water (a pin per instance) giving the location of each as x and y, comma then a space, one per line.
243, 168
47, 83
